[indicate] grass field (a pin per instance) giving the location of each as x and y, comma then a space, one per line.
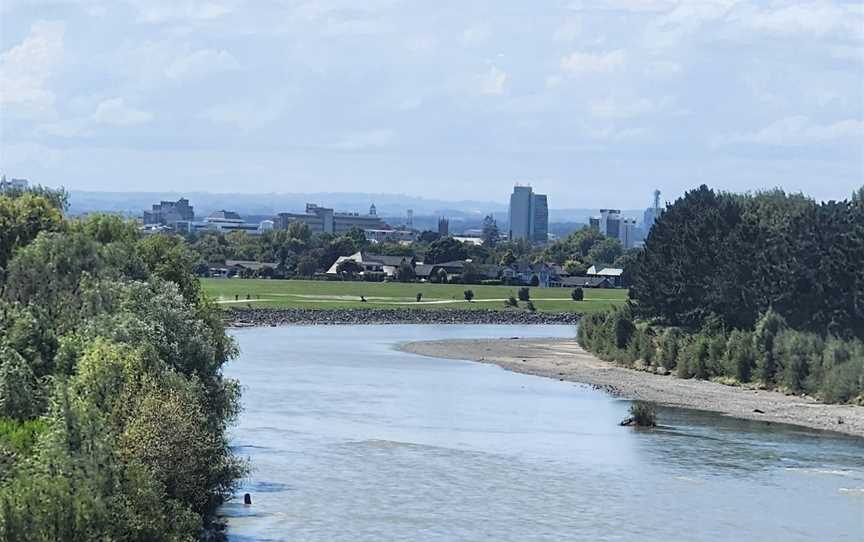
311, 294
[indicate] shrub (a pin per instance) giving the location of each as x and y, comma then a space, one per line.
767, 329
643, 414
469, 295
419, 297
624, 329
530, 306
19, 391
524, 294
795, 353
511, 302
578, 294
739, 360
669, 347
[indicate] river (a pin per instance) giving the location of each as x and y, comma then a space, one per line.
350, 439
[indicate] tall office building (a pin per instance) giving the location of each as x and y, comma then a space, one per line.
651, 214
529, 215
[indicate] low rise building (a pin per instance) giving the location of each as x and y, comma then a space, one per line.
13, 184
168, 213
326, 220
373, 264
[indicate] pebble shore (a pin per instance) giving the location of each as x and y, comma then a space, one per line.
317, 317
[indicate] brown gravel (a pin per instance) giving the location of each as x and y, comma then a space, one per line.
564, 359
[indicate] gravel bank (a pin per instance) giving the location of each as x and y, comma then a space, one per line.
564, 359
281, 317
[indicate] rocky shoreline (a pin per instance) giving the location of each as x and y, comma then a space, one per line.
317, 317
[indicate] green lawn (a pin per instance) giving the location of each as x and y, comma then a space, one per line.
313, 294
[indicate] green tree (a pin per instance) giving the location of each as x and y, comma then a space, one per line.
767, 331
19, 391
405, 272
22, 219
605, 252
349, 268
491, 235
445, 250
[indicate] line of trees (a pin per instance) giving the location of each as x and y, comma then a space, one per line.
113, 407
765, 288
299, 253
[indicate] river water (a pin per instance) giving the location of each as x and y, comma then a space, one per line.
350, 439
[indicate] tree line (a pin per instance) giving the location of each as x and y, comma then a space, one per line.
765, 287
298, 253
113, 407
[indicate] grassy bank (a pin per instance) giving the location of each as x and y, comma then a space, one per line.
306, 294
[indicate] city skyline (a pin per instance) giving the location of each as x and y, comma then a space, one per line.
594, 102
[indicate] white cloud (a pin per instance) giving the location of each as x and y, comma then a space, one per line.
814, 18
246, 116
158, 11
26, 69
477, 34
663, 68
617, 134
370, 139
612, 108
493, 81
115, 112
200, 62
797, 130
579, 63
569, 30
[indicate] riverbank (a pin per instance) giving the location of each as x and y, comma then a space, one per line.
283, 317
565, 360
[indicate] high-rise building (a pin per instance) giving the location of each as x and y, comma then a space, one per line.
611, 224
651, 214
627, 233
409, 218
529, 215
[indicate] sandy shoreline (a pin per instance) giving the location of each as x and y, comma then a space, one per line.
564, 359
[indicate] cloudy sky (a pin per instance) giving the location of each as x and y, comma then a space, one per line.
595, 102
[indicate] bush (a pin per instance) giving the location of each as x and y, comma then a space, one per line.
511, 302
19, 391
530, 306
795, 353
469, 295
767, 329
740, 357
578, 294
524, 294
643, 414
669, 347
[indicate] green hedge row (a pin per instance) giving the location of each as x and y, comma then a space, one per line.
772, 354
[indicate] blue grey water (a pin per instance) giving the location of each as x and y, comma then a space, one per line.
350, 439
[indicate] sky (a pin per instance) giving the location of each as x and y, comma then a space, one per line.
595, 103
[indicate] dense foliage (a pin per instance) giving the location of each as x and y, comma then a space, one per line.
113, 408
766, 288
298, 253
730, 258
